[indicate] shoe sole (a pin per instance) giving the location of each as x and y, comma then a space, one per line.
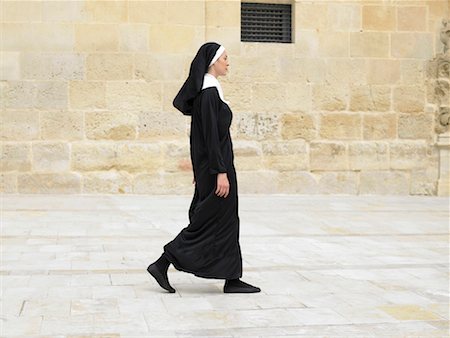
158, 277
241, 291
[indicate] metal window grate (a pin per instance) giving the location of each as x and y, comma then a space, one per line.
262, 22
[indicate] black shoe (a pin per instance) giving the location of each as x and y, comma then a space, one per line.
160, 277
238, 286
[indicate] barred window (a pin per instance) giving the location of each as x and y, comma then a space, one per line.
263, 22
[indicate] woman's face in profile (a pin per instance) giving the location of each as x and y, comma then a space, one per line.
221, 65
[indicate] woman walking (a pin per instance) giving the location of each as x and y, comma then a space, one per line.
209, 246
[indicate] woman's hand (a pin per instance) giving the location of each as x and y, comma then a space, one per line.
223, 186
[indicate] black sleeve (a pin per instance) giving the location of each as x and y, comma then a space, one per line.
210, 106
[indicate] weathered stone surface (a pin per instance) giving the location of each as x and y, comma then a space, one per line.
415, 126
176, 156
383, 71
8, 182
412, 45
286, 155
369, 44
328, 156
298, 126
111, 125
70, 11
258, 182
159, 67
169, 38
21, 11
15, 156
133, 37
50, 156
55, 183
409, 99
326, 97
298, 97
340, 182
107, 182
253, 70
340, 126
247, 155
18, 94
408, 154
297, 182
164, 183
10, 66
222, 13
133, 95
379, 126
93, 156
411, 18
344, 17
370, 98
151, 12
51, 95
19, 125
424, 181
310, 15
109, 66
368, 155
239, 95
379, 18
87, 94
162, 125
384, 183
51, 66
333, 44
307, 43
139, 157
256, 126
107, 11
346, 71
268, 97
228, 36
93, 37
62, 125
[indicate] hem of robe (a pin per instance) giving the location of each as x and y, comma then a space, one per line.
198, 274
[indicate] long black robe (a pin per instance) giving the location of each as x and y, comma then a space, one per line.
209, 246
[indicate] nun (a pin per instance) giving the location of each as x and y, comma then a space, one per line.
209, 246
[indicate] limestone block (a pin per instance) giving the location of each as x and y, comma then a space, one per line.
348, 71
247, 155
339, 182
244, 126
94, 156
344, 17
10, 66
369, 44
286, 155
164, 183
96, 37
107, 182
411, 18
159, 67
340, 126
229, 37
328, 156
298, 126
222, 13
412, 45
256, 126
379, 126
64, 11
328, 97
297, 182
15, 156
258, 182
268, 126
139, 157
268, 97
253, 69
311, 15
87, 94
378, 182
24, 11
57, 37
409, 99
133, 37
169, 91
50, 156
298, 97
107, 11
19, 125
152, 12
170, 38
436, 8
51, 95
52, 66
162, 125
109, 66
19, 94
333, 44
239, 95
368, 155
370, 98
415, 126
176, 156
383, 71
8, 183
111, 125
424, 181
133, 95
307, 43
62, 125
55, 183
408, 155
378, 18
188, 12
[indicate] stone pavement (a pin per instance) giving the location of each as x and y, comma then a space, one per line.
329, 266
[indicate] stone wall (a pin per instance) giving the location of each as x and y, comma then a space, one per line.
87, 89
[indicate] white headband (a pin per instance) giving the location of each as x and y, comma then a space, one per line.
218, 54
